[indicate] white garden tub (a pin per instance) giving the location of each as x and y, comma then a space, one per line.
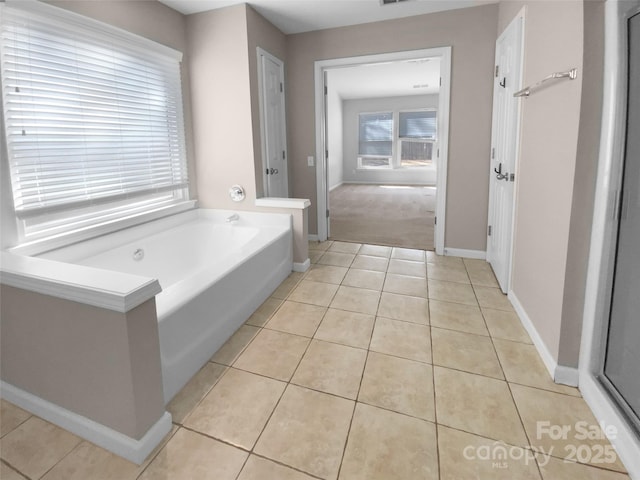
213, 273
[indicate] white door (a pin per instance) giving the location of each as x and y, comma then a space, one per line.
504, 149
273, 126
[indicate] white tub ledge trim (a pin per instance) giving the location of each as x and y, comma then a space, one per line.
106, 289
275, 202
122, 445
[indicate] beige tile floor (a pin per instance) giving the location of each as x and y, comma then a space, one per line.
377, 363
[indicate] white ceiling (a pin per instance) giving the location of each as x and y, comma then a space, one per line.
390, 79
296, 16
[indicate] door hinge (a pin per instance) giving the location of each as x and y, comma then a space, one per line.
327, 213
497, 70
435, 220
326, 154
326, 89
283, 155
493, 153
489, 231
281, 88
438, 153
440, 81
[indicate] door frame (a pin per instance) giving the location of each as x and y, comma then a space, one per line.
321, 66
603, 235
520, 17
260, 54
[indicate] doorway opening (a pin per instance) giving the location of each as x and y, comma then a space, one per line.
381, 137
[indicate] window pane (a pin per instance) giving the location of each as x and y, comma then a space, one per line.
376, 133
416, 153
91, 120
421, 124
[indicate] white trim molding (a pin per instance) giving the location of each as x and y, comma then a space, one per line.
543, 351
320, 68
301, 266
122, 445
567, 375
464, 253
558, 373
107, 289
275, 202
603, 236
625, 442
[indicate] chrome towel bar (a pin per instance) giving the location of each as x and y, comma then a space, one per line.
570, 74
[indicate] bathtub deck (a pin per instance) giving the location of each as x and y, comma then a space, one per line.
376, 364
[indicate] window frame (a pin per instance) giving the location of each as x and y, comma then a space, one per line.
390, 158
395, 159
103, 211
433, 141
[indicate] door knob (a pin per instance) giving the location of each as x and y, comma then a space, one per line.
273, 171
499, 174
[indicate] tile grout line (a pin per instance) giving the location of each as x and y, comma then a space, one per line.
355, 405
526, 434
153, 457
433, 383
284, 390
24, 475
228, 368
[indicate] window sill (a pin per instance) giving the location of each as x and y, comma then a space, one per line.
396, 169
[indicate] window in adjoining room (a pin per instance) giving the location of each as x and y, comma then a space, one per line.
402, 139
417, 134
375, 141
93, 124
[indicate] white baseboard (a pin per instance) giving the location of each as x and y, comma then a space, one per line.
543, 351
559, 373
388, 182
625, 441
461, 252
312, 237
302, 267
566, 376
133, 450
331, 189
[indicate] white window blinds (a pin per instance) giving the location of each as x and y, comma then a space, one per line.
376, 134
93, 117
419, 124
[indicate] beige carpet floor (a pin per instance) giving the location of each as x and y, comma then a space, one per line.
400, 216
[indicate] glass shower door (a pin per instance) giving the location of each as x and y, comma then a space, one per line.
622, 359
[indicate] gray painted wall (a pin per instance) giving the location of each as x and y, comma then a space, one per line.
546, 203
100, 364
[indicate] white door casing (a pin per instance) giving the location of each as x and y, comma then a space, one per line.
272, 125
321, 66
505, 131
